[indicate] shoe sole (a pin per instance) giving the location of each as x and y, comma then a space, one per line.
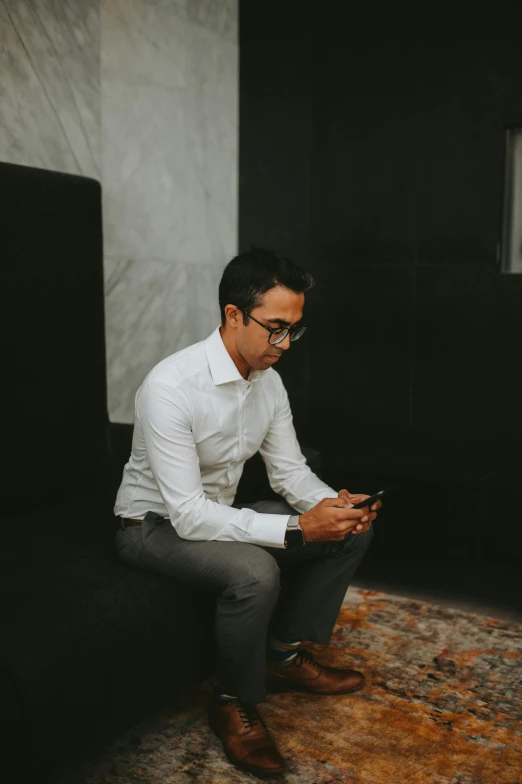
260, 772
280, 686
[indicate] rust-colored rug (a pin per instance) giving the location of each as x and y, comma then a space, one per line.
442, 705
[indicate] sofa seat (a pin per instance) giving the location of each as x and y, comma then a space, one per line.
91, 646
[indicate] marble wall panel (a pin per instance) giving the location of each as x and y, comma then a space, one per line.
143, 96
50, 84
220, 17
153, 308
169, 128
169, 107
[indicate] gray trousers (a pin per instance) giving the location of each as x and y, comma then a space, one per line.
296, 594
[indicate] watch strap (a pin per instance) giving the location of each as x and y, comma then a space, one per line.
294, 536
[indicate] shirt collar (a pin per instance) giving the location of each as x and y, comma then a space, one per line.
221, 364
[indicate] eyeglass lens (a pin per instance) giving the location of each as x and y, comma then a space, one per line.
277, 337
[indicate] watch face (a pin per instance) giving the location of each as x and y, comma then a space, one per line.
294, 538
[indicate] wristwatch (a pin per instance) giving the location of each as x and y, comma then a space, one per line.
294, 536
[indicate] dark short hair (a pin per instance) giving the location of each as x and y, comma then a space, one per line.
251, 274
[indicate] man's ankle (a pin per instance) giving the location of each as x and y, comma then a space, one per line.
282, 651
223, 695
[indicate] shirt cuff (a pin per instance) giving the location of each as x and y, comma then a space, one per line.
269, 530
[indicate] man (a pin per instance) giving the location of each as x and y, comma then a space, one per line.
279, 570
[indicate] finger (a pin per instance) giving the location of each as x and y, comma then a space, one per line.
347, 515
346, 495
353, 525
376, 505
362, 530
340, 502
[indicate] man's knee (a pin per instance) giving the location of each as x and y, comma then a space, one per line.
267, 576
258, 573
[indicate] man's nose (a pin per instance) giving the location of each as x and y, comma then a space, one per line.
285, 343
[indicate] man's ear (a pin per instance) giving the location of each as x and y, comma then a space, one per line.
232, 314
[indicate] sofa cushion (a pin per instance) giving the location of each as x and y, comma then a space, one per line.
90, 644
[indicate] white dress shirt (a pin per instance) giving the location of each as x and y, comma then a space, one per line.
197, 421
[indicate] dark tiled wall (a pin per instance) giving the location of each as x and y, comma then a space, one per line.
372, 151
275, 136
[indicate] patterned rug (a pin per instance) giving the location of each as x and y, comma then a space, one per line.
442, 705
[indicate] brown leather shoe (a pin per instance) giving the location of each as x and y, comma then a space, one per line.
245, 737
305, 674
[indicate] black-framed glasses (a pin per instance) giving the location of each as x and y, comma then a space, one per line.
279, 333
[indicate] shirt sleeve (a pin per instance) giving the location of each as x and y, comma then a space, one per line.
288, 473
165, 416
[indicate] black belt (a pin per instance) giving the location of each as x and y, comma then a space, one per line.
154, 516
126, 521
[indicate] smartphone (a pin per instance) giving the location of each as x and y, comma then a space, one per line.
372, 499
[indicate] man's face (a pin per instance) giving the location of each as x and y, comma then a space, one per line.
280, 307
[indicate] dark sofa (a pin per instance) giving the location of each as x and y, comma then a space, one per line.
90, 646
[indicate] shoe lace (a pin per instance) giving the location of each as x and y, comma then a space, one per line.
249, 715
303, 657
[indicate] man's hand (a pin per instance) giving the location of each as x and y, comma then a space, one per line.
330, 520
370, 515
